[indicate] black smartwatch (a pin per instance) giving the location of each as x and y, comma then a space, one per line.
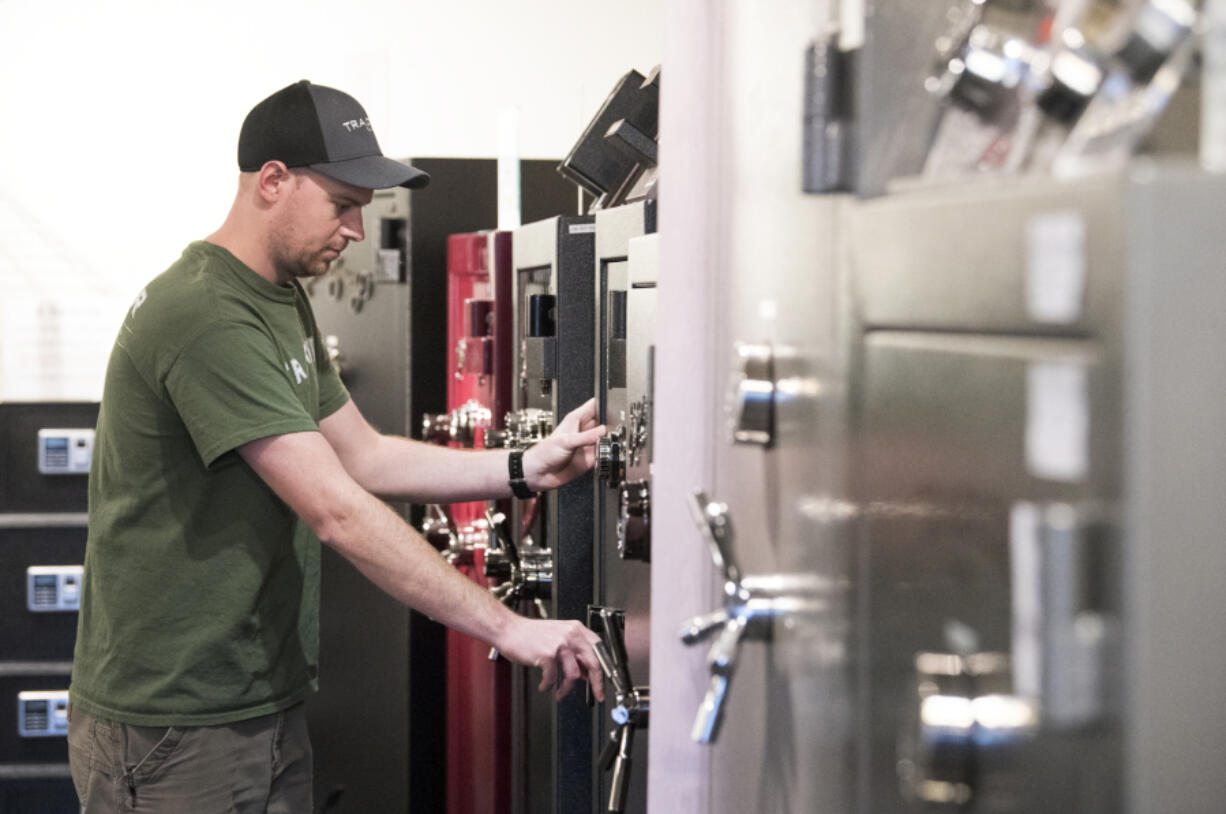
515, 469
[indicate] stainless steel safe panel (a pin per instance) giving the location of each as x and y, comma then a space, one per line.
643, 272
1175, 392
621, 582
785, 743
964, 414
1034, 533
785, 740
1007, 256
965, 447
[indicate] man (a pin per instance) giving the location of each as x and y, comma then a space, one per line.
227, 449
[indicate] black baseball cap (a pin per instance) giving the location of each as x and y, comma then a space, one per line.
322, 128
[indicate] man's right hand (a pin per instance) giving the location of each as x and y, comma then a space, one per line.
564, 650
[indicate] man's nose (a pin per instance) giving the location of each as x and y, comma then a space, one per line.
351, 225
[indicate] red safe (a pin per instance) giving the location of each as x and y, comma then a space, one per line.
478, 398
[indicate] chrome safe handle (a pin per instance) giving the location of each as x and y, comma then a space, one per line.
631, 704
713, 521
711, 712
525, 575
752, 603
440, 531
617, 755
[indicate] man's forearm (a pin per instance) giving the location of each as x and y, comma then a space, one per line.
400, 468
390, 553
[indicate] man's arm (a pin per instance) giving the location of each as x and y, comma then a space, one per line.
394, 467
305, 472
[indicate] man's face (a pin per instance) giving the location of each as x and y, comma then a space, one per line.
318, 219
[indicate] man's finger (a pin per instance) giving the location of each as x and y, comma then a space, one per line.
595, 676
584, 412
585, 438
549, 671
570, 671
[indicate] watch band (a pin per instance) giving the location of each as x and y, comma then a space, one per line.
515, 469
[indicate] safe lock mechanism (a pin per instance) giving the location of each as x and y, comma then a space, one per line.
458, 546
753, 396
610, 460
1159, 28
636, 432
51, 588
989, 68
474, 351
461, 425
42, 713
1073, 77
951, 49
336, 356
965, 712
634, 521
65, 451
524, 428
522, 575
752, 605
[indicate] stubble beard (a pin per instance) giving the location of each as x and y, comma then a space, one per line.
298, 264
304, 266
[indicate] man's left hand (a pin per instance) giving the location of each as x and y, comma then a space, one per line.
568, 452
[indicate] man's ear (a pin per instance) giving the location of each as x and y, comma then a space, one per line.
272, 180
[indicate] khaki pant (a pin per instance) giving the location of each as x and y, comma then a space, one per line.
258, 765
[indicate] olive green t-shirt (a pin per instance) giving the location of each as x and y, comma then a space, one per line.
200, 602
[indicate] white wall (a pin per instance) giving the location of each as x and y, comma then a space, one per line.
120, 119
